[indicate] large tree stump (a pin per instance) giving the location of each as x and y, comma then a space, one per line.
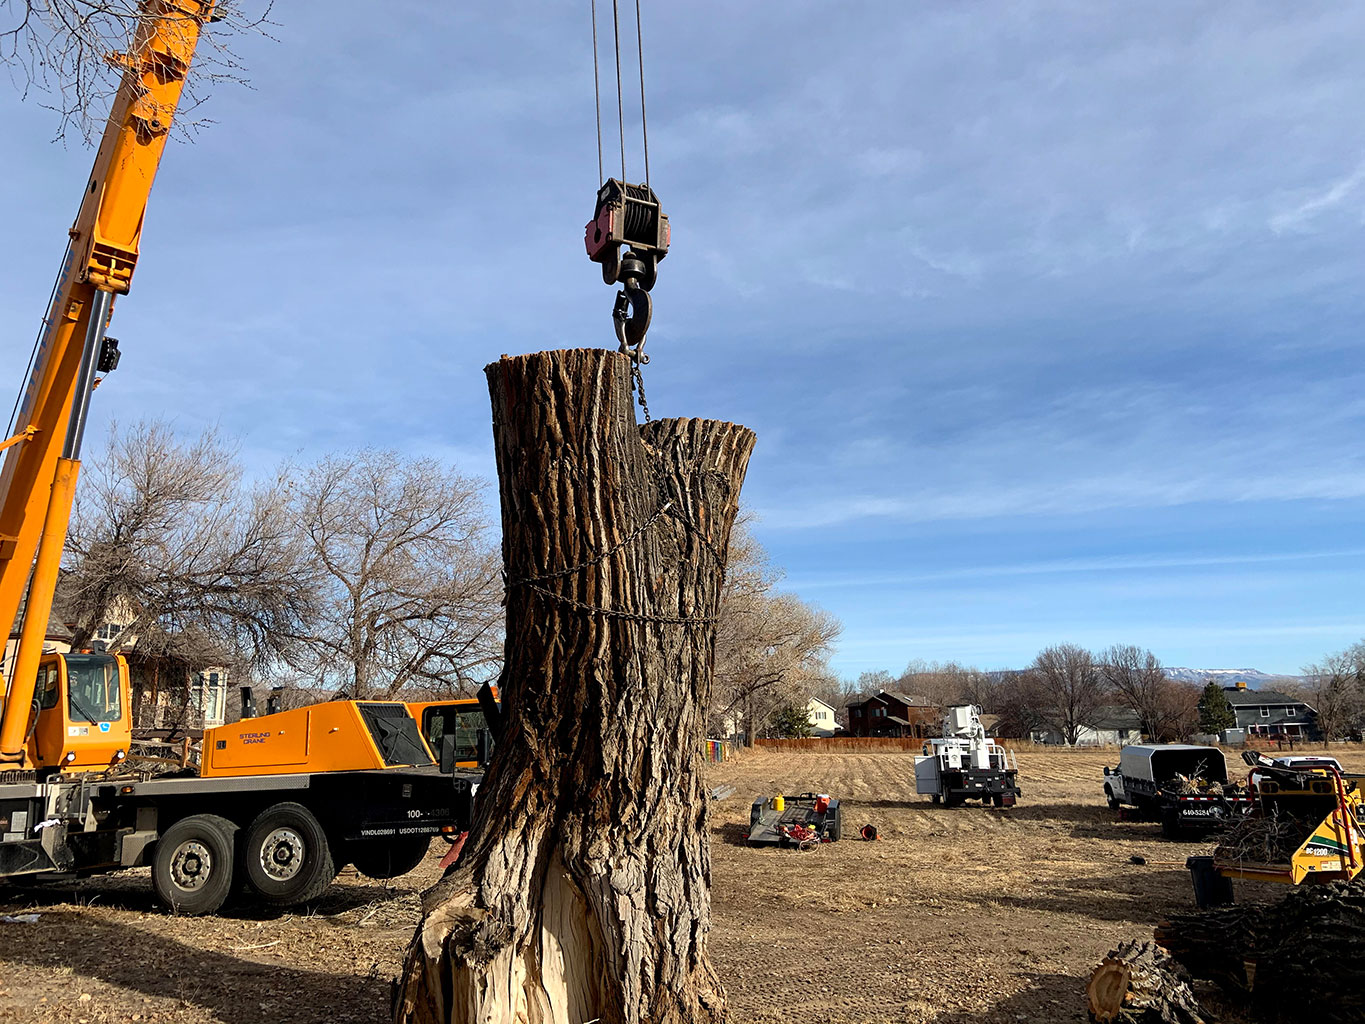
1138, 984
1296, 960
583, 892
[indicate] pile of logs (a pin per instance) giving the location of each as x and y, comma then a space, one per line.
1296, 960
1138, 984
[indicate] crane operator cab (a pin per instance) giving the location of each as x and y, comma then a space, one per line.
81, 717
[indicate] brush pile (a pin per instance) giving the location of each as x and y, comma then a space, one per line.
1268, 839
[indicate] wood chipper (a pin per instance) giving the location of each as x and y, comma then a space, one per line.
1307, 826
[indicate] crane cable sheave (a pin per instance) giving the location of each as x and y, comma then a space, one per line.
628, 236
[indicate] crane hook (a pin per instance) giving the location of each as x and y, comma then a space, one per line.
627, 237
633, 297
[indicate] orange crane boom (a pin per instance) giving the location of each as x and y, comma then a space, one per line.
38, 479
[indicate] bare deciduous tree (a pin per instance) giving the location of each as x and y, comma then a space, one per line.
1136, 678
211, 571
1067, 687
1332, 687
409, 583
771, 648
946, 683
72, 50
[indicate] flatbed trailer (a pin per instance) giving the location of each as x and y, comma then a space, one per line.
288, 834
795, 821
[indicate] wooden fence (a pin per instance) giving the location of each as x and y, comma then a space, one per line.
844, 743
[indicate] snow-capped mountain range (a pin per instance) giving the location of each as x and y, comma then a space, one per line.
1254, 678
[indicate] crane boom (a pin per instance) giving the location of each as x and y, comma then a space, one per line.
38, 479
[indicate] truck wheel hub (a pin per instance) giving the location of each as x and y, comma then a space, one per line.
191, 865
282, 854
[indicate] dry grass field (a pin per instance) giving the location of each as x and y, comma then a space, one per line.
953, 915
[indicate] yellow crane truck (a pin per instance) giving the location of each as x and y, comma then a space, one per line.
280, 802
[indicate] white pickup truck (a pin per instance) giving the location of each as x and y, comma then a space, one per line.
1183, 785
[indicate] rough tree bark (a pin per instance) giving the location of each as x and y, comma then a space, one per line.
1138, 984
1295, 960
583, 892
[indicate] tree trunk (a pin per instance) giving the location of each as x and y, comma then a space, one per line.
1138, 984
1298, 959
583, 892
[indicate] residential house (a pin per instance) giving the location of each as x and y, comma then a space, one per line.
166, 691
893, 714
822, 718
1271, 714
1110, 726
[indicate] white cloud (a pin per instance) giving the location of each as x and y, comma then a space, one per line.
1298, 217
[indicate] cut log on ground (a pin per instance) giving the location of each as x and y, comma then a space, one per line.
1296, 960
583, 892
1138, 984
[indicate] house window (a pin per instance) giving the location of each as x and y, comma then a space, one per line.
109, 630
1292, 713
879, 712
208, 695
1265, 712
856, 712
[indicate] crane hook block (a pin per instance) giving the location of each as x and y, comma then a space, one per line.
630, 217
626, 215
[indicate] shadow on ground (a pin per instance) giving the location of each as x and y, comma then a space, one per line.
140, 961
119, 894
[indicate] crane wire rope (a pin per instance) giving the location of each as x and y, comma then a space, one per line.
644, 121
620, 93
620, 88
37, 342
596, 91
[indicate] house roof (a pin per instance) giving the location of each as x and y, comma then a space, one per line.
909, 699
817, 700
1115, 718
898, 721
1243, 698
885, 696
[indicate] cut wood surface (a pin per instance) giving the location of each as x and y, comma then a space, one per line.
1138, 984
584, 890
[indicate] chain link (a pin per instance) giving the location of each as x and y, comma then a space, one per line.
669, 507
601, 557
616, 613
638, 384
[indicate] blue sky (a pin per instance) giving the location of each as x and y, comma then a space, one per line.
1047, 315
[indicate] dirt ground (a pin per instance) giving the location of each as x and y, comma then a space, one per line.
953, 915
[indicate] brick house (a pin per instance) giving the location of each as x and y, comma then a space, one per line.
893, 714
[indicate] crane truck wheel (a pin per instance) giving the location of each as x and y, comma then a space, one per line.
286, 856
192, 869
388, 858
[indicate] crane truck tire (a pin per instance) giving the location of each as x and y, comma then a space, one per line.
192, 869
388, 858
286, 856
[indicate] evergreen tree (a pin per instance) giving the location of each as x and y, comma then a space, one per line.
792, 723
1215, 713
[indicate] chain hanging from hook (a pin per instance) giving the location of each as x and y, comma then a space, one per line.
629, 233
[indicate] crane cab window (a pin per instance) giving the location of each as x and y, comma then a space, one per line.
464, 722
93, 688
49, 686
